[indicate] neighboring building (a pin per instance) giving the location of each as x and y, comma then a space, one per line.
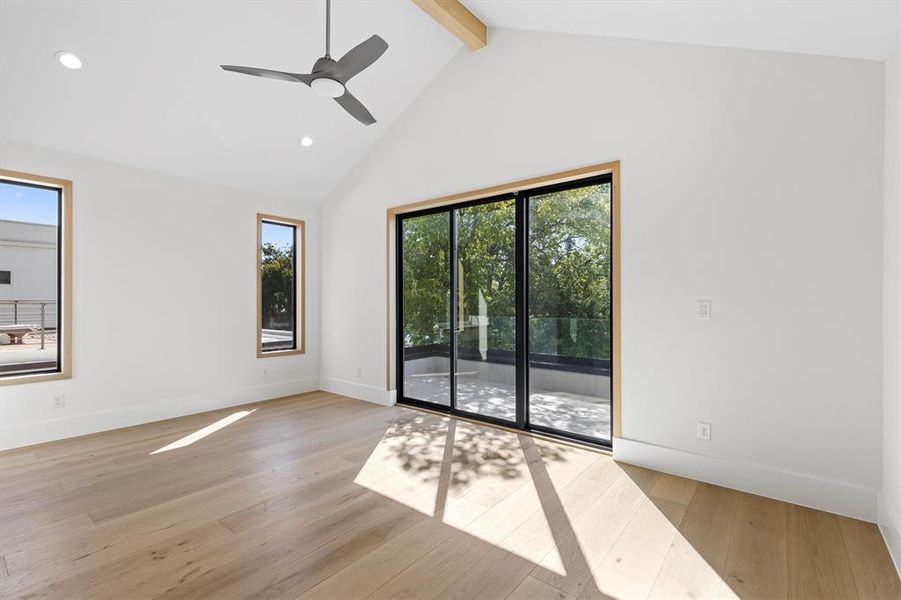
28, 260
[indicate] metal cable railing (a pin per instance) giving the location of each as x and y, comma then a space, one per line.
20, 317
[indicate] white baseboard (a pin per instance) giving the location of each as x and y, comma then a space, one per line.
763, 480
83, 424
890, 526
357, 390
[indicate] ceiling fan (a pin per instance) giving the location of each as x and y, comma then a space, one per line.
329, 77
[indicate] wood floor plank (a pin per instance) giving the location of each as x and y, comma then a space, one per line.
818, 564
535, 589
756, 563
674, 489
596, 531
630, 569
871, 564
322, 497
694, 564
278, 556
364, 576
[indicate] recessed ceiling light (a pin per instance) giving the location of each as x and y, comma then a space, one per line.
306, 141
68, 60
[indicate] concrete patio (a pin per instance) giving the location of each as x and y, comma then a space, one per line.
565, 411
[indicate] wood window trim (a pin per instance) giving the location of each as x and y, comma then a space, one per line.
65, 310
300, 269
612, 168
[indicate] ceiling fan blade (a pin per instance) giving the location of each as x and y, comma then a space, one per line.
269, 74
349, 102
359, 57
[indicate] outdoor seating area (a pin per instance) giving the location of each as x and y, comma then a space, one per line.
15, 333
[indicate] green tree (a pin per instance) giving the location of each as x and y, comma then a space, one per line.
569, 274
426, 267
277, 274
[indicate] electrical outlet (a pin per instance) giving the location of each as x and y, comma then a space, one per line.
703, 431
704, 310
57, 401
264, 373
359, 373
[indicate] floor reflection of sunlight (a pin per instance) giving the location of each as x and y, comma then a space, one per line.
579, 519
202, 433
652, 559
486, 490
685, 574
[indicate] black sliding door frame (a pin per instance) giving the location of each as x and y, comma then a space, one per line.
521, 273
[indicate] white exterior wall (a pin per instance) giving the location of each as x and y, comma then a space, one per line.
28, 251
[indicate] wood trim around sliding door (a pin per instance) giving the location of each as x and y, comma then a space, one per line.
611, 168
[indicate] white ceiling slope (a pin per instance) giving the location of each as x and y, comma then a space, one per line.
153, 96
844, 28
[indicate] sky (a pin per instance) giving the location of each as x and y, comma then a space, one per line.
29, 204
280, 235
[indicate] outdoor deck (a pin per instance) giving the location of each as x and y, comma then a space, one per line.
28, 354
560, 410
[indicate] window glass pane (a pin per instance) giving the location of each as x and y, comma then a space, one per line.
29, 278
278, 276
570, 311
426, 313
486, 309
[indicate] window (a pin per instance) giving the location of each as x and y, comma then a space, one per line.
506, 308
280, 286
35, 242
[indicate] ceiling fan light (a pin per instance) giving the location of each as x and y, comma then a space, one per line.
326, 86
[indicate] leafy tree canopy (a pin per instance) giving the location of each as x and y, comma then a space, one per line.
277, 274
569, 274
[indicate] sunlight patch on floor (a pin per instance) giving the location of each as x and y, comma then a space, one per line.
406, 463
652, 559
686, 574
202, 433
562, 509
485, 490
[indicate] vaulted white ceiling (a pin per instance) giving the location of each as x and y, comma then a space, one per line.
845, 28
152, 94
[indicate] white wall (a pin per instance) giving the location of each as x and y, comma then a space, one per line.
750, 178
164, 301
890, 498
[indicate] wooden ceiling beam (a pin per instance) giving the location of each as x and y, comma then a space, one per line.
456, 18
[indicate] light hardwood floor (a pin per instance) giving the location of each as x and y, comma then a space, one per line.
324, 497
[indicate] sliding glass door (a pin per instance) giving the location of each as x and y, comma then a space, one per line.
505, 310
485, 333
570, 311
425, 262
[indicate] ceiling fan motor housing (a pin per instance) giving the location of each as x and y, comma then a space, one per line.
326, 81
